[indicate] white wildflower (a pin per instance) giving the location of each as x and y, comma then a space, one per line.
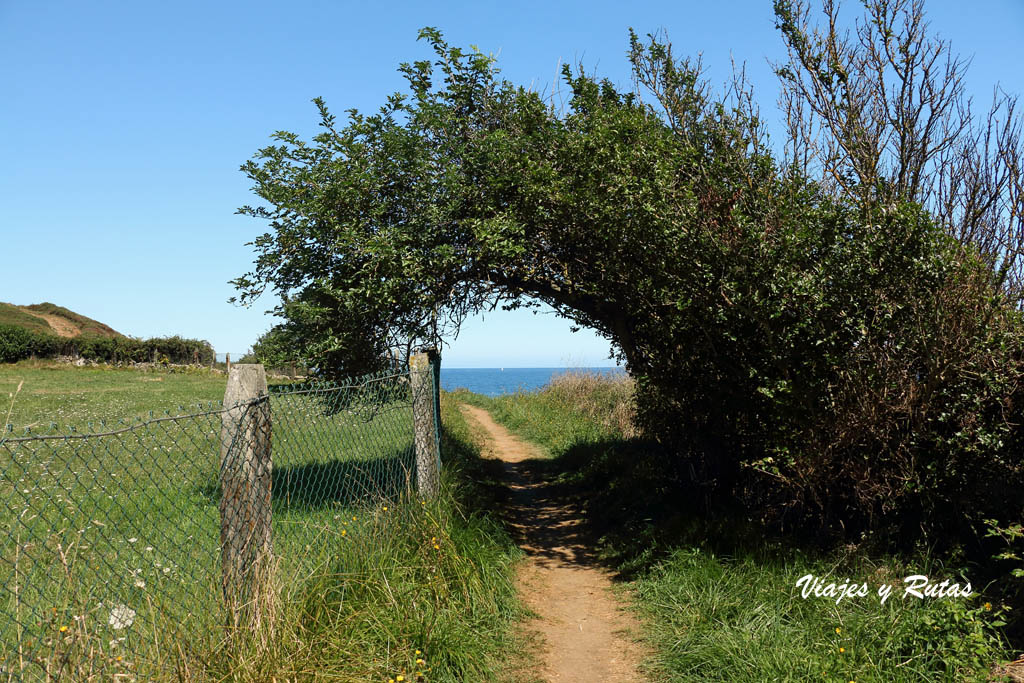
121, 617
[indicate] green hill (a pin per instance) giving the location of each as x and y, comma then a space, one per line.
49, 318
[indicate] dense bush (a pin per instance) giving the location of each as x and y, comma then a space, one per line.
854, 373
17, 343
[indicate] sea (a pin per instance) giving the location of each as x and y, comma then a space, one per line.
493, 381
498, 381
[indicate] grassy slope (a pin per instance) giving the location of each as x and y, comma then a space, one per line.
12, 315
373, 588
88, 326
720, 598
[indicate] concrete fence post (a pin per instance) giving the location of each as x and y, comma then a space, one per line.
426, 420
245, 482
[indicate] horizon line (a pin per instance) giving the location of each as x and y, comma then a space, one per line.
531, 367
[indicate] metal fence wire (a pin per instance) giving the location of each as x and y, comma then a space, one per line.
126, 546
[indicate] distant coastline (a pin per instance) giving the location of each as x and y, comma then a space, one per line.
498, 381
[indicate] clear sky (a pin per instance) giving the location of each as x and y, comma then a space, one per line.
123, 124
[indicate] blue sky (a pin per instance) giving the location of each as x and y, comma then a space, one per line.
123, 124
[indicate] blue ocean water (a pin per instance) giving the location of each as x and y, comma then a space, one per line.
497, 381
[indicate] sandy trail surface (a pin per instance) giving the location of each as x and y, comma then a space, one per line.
586, 630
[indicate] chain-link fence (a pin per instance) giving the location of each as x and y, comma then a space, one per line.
133, 548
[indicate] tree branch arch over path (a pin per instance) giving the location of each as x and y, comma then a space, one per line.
806, 348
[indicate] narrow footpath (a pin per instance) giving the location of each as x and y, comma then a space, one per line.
586, 630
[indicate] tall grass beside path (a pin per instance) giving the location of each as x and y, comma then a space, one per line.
434, 601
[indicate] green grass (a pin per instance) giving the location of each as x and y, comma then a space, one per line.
61, 394
128, 524
437, 579
86, 326
12, 315
719, 598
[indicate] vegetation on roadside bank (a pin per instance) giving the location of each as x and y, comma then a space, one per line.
720, 594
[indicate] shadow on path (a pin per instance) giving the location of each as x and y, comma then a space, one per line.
586, 630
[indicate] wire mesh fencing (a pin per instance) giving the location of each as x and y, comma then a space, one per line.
130, 548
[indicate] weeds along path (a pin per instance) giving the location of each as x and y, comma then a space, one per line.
585, 629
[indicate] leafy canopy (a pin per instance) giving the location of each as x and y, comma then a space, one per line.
469, 192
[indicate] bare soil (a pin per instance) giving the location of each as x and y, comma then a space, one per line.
62, 326
587, 632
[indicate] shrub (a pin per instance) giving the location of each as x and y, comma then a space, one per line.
17, 343
849, 373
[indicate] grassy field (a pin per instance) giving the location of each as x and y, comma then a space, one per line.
64, 395
110, 564
719, 598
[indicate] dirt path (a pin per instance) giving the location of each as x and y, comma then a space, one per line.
63, 327
586, 630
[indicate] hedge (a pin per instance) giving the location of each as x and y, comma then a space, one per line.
17, 343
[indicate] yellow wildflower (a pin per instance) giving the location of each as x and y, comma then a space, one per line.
988, 606
837, 629
842, 650
63, 629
